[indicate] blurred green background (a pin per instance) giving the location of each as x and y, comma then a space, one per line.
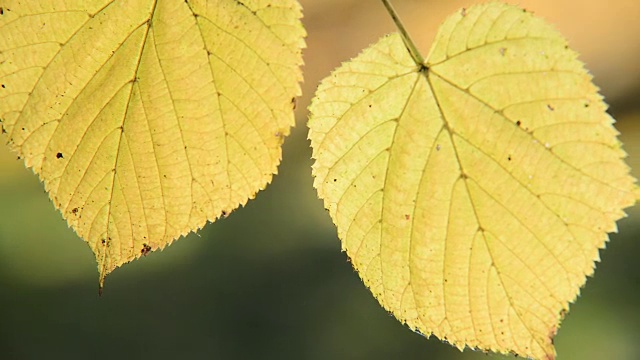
270, 281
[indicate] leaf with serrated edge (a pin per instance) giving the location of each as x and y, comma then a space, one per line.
472, 194
146, 119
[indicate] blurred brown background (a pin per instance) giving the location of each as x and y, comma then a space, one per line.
270, 281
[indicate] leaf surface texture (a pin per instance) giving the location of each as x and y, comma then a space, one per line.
146, 119
472, 193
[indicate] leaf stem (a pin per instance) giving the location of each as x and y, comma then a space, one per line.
413, 50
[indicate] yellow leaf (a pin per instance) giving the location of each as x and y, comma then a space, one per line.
146, 119
471, 193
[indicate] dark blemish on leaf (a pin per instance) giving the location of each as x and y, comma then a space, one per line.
224, 213
145, 249
74, 211
509, 157
518, 122
4, 87
551, 108
1, 10
407, 217
586, 105
503, 51
552, 334
59, 156
294, 103
334, 180
369, 105
563, 313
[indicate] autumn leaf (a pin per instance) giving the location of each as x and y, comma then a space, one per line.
472, 192
146, 119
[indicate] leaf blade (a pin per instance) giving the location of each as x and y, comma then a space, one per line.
471, 202
146, 119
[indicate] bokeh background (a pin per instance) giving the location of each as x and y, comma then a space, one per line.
270, 281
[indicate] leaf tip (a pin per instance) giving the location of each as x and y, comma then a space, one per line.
101, 283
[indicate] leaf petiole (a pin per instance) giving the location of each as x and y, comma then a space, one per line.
413, 50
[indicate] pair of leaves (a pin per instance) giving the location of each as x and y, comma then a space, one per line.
472, 192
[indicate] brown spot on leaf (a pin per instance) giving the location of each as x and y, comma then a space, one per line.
145, 249
59, 156
552, 333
